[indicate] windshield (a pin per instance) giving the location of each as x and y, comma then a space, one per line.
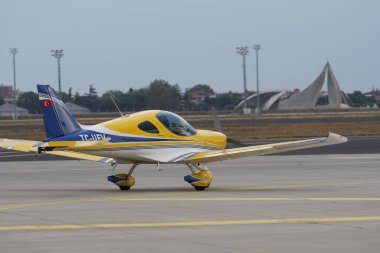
175, 124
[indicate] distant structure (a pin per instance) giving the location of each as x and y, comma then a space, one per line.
6, 92
8, 109
306, 99
375, 94
76, 109
197, 97
268, 99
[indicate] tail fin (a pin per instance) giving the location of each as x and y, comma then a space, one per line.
58, 120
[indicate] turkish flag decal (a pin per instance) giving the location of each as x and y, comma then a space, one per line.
46, 103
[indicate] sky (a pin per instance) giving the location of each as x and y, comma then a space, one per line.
119, 44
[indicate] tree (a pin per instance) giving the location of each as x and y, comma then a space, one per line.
90, 100
67, 97
29, 100
1, 101
136, 100
204, 88
227, 101
92, 91
360, 100
162, 95
106, 103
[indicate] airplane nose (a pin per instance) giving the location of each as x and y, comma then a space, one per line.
220, 139
213, 137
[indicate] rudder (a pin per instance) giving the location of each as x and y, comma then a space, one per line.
58, 120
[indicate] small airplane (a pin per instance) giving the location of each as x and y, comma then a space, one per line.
146, 137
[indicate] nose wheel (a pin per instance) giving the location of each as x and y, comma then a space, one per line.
199, 180
124, 181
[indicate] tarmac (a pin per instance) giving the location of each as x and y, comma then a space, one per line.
295, 203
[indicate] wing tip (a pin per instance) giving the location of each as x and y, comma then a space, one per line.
334, 138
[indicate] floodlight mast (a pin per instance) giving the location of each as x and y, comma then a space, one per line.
58, 53
243, 51
13, 51
257, 47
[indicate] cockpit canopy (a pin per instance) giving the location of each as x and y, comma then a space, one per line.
175, 124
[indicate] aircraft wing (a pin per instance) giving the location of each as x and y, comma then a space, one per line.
227, 154
32, 146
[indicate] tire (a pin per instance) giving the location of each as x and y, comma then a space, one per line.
124, 188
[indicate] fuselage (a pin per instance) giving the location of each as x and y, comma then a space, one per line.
146, 137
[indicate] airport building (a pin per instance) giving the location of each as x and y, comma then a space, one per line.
76, 109
8, 109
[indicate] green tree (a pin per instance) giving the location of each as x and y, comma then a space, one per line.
90, 100
360, 100
204, 88
29, 100
67, 97
162, 95
106, 103
227, 101
92, 91
136, 100
1, 101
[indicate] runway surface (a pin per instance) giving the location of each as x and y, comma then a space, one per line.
323, 203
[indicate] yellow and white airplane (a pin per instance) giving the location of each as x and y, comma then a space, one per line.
147, 137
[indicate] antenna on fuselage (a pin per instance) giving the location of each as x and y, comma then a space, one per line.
117, 107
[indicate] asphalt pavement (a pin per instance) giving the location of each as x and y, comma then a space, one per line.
308, 203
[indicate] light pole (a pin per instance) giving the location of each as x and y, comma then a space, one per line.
243, 51
13, 51
58, 53
257, 47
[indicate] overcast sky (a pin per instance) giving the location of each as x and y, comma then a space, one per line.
120, 44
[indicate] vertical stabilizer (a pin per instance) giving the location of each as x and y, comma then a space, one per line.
58, 120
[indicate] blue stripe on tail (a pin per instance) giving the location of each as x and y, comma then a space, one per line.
58, 120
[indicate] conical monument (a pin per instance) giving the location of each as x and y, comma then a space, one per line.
307, 99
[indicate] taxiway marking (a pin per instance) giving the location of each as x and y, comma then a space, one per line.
134, 199
189, 223
7, 156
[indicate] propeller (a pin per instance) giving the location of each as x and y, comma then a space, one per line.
218, 128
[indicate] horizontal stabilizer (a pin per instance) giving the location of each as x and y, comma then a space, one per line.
72, 144
32, 146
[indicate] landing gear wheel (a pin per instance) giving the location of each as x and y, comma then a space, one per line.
200, 188
200, 180
124, 188
124, 181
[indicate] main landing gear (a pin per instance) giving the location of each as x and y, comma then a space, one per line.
201, 177
124, 181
